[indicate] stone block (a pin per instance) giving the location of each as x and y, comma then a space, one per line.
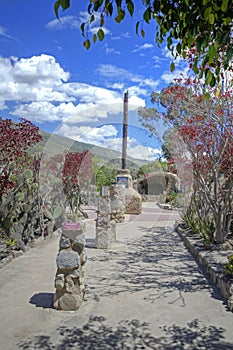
64, 242
133, 202
67, 260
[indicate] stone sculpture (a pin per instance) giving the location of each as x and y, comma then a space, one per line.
69, 279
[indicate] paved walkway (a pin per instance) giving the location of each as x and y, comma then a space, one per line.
146, 292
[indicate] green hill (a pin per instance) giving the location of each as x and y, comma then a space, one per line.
54, 144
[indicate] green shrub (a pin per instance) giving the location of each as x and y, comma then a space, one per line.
204, 227
228, 268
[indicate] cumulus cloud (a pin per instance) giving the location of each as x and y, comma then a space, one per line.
39, 90
107, 136
88, 134
33, 79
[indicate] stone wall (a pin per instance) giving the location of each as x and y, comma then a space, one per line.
103, 234
117, 202
69, 279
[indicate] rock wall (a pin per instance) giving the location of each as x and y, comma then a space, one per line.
105, 226
117, 202
103, 236
69, 279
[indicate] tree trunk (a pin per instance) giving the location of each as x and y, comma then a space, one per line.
220, 229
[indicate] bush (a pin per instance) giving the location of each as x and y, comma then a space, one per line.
228, 268
204, 227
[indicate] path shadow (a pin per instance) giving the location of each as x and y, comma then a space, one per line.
43, 299
131, 334
157, 262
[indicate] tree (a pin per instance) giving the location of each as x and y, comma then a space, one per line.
15, 140
19, 198
69, 172
184, 24
206, 127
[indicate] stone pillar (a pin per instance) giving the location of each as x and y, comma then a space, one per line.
117, 202
103, 234
69, 279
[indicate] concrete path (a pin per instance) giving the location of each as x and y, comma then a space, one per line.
146, 292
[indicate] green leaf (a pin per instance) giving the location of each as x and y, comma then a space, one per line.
169, 41
213, 81
102, 20
212, 51
89, 8
186, 2
92, 18
56, 8
142, 33
87, 44
147, 15
172, 67
100, 34
207, 95
199, 42
94, 38
209, 77
137, 25
224, 5
110, 8
178, 48
82, 27
130, 7
207, 13
229, 53
65, 4
195, 68
211, 18
120, 16
205, 2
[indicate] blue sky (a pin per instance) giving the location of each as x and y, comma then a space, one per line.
48, 77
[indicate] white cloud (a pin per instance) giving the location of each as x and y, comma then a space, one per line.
111, 50
89, 93
145, 46
106, 136
64, 22
87, 134
33, 79
125, 35
42, 70
74, 22
169, 76
39, 90
117, 86
94, 30
46, 111
113, 72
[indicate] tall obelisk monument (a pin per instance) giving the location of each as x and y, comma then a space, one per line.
133, 200
125, 132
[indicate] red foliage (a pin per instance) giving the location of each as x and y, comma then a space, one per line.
77, 168
15, 139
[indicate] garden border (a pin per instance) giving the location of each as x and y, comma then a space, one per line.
211, 261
